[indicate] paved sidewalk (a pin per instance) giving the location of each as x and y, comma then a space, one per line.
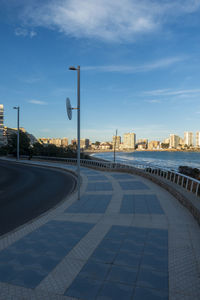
126, 238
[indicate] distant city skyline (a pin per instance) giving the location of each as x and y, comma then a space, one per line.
128, 138
139, 66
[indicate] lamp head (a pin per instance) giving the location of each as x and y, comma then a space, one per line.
72, 68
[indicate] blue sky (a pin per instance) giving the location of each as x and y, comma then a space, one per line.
139, 66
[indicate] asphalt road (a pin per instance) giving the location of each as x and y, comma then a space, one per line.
27, 191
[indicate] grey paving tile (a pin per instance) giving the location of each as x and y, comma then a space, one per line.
151, 201
133, 185
132, 246
141, 293
122, 176
117, 233
157, 243
128, 259
115, 291
156, 250
139, 231
84, 288
152, 279
122, 274
112, 245
31, 259
99, 186
103, 255
155, 262
95, 270
141, 206
91, 203
90, 171
127, 205
137, 239
97, 177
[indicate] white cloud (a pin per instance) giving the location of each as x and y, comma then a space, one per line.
32, 33
153, 101
31, 79
171, 92
110, 20
162, 63
20, 31
37, 102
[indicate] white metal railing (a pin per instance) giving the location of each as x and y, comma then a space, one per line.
189, 183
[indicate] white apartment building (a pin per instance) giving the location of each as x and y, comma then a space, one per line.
84, 143
174, 141
64, 142
198, 139
188, 138
1, 124
129, 140
54, 141
116, 141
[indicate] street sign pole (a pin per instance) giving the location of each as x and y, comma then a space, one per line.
78, 130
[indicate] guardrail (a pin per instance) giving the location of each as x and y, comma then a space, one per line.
189, 183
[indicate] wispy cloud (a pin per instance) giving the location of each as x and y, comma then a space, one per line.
37, 102
25, 32
173, 92
159, 64
153, 101
31, 79
108, 20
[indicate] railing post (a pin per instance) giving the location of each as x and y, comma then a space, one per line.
174, 177
191, 186
197, 189
182, 181
186, 184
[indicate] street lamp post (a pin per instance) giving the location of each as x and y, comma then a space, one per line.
78, 124
17, 107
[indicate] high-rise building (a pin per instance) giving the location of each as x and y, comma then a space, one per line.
116, 141
64, 142
1, 124
188, 138
166, 141
174, 141
129, 140
198, 139
84, 143
55, 141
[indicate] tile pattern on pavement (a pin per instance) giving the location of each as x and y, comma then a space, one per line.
27, 261
125, 239
123, 261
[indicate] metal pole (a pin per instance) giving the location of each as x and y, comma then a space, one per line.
115, 145
18, 133
78, 128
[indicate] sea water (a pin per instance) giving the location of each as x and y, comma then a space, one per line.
162, 159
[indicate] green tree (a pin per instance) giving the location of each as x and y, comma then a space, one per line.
24, 144
164, 145
97, 143
38, 149
4, 150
